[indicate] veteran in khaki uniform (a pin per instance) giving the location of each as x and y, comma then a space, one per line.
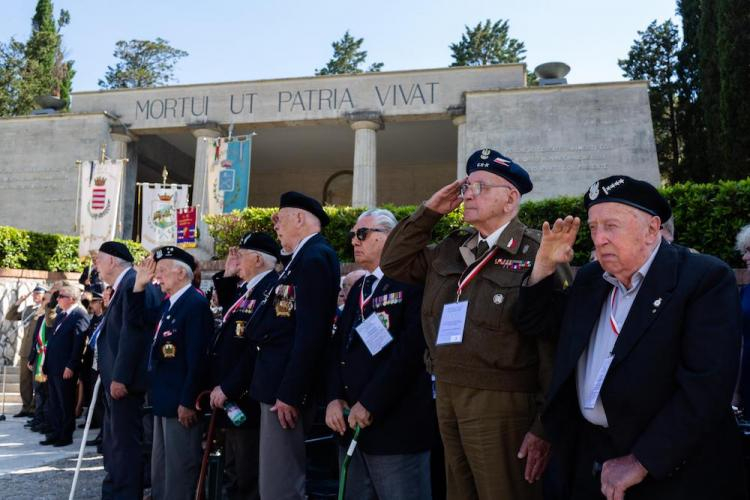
490, 380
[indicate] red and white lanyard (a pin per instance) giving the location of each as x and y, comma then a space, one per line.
612, 321
464, 281
362, 300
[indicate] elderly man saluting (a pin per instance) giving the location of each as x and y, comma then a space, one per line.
490, 379
639, 402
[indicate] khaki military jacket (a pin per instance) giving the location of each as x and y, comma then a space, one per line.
493, 354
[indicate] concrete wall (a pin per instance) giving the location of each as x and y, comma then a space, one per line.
567, 136
38, 172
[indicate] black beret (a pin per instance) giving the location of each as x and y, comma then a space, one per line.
116, 249
293, 199
629, 191
491, 161
260, 242
174, 253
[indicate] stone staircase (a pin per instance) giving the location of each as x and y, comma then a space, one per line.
12, 394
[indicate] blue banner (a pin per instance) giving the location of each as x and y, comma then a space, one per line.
234, 177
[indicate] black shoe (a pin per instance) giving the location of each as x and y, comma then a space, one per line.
23, 413
63, 442
97, 441
48, 442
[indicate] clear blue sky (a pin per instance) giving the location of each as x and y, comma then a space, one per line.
230, 40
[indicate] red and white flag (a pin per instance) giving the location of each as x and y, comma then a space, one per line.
99, 203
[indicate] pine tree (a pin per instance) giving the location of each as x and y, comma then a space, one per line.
690, 120
144, 63
733, 44
710, 89
487, 43
347, 58
653, 57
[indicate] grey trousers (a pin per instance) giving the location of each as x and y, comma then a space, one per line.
282, 456
175, 460
387, 477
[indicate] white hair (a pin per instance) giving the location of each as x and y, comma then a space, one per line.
188, 271
120, 262
268, 260
382, 217
743, 239
73, 291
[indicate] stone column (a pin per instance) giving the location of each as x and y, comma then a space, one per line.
364, 187
203, 133
120, 138
458, 113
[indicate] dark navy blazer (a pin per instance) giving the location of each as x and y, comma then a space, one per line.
122, 345
668, 391
393, 385
291, 349
232, 352
65, 342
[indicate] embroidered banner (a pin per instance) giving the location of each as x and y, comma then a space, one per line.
228, 174
100, 201
159, 204
186, 219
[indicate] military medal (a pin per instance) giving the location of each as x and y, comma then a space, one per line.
284, 302
168, 350
239, 329
514, 265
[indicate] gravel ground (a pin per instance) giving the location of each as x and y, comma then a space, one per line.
52, 481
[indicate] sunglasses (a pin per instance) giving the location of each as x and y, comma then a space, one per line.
60, 296
362, 232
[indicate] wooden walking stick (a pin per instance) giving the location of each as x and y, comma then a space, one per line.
200, 489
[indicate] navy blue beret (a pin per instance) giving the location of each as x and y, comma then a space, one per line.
260, 242
491, 161
293, 199
174, 253
116, 249
629, 191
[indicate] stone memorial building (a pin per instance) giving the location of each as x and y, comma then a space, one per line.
365, 139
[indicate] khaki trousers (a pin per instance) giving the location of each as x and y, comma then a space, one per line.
482, 431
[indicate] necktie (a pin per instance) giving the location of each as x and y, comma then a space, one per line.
285, 259
366, 293
367, 286
481, 249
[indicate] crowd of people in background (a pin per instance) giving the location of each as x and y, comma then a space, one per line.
473, 367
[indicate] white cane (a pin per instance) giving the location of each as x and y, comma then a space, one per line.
85, 436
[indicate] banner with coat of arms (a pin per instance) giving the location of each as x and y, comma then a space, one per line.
228, 174
100, 200
159, 205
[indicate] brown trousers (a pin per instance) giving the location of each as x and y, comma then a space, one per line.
482, 431
26, 377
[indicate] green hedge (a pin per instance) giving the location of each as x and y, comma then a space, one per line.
707, 218
20, 249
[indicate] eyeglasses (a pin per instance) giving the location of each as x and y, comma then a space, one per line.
60, 296
478, 187
362, 232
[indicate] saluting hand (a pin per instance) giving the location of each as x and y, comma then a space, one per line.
232, 264
447, 198
287, 414
359, 416
335, 416
144, 273
556, 247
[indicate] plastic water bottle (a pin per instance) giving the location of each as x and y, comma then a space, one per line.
235, 414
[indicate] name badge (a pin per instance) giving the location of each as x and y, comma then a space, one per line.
594, 393
374, 334
451, 329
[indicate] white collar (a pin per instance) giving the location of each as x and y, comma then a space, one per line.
119, 278
378, 273
256, 279
71, 308
173, 298
492, 238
